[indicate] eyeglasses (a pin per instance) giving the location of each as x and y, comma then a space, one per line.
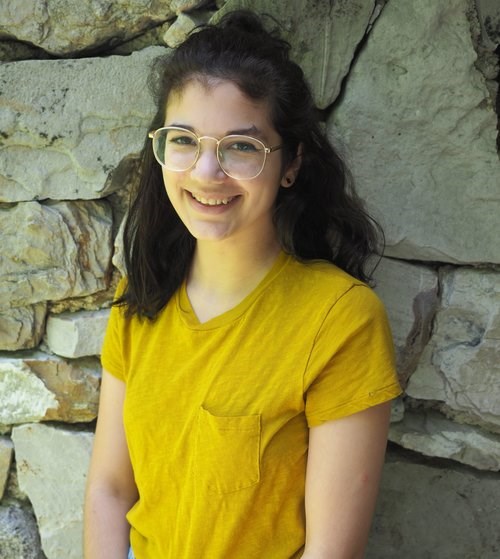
240, 157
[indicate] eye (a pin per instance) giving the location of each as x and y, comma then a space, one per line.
243, 146
182, 140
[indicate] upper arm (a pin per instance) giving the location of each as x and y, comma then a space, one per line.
343, 474
110, 467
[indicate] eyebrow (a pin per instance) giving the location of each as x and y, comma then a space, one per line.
250, 131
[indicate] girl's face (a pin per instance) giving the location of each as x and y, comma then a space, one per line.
212, 205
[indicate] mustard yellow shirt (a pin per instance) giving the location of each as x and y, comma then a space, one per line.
217, 414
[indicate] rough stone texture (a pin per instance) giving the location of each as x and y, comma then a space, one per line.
397, 410
433, 435
409, 293
180, 28
19, 537
429, 512
418, 121
12, 50
76, 334
64, 28
180, 6
152, 37
489, 16
325, 47
22, 327
52, 466
5, 460
461, 366
35, 386
53, 250
119, 254
68, 124
23, 395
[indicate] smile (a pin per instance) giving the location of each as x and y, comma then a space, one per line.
212, 201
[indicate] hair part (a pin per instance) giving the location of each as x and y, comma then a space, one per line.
319, 217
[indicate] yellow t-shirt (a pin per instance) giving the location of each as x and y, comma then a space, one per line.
217, 414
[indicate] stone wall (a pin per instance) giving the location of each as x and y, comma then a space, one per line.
409, 91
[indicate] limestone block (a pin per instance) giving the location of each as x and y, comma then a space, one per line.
420, 129
428, 512
24, 396
5, 460
76, 334
36, 386
52, 467
22, 327
432, 434
19, 537
461, 365
324, 36
53, 250
70, 127
409, 293
182, 26
63, 28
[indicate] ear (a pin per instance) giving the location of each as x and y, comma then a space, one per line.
292, 169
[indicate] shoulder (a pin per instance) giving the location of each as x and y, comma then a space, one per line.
331, 295
323, 280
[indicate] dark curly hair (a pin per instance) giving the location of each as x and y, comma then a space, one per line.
320, 217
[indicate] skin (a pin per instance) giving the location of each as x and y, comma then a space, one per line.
236, 246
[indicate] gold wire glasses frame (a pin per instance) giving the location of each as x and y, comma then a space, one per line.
240, 157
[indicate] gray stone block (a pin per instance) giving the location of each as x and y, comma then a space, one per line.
460, 366
19, 537
420, 129
432, 434
410, 295
430, 512
70, 126
324, 36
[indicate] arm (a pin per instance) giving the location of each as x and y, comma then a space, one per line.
111, 489
343, 474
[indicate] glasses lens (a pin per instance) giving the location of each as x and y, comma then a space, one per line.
175, 148
241, 157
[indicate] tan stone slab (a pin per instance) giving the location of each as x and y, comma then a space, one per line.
64, 28
6, 447
52, 467
77, 334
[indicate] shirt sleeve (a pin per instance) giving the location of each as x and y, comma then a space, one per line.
352, 364
113, 345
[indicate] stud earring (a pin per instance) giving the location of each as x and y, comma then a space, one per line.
288, 181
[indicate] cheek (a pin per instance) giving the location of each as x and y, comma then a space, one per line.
171, 182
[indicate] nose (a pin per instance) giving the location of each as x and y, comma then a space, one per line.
207, 166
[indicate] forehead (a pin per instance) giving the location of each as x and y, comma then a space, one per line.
217, 106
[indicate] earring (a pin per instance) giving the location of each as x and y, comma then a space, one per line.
288, 181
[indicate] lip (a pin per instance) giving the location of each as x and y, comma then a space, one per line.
207, 203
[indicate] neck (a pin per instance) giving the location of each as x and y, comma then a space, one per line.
223, 274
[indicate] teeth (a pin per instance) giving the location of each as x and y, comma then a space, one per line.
212, 202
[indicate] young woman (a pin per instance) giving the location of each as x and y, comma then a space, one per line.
248, 368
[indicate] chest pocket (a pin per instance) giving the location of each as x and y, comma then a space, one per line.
227, 452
